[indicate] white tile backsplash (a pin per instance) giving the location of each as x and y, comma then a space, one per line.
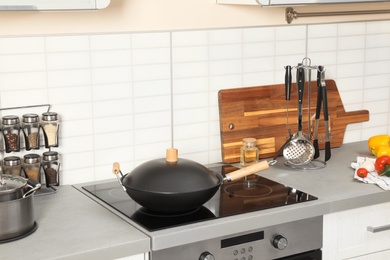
225, 36
110, 42
322, 31
22, 45
258, 49
68, 60
110, 58
67, 78
358, 28
71, 43
266, 34
22, 62
128, 96
150, 40
190, 54
189, 38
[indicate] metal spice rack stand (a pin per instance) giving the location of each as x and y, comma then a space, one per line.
315, 163
45, 188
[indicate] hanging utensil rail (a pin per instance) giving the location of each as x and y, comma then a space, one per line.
291, 14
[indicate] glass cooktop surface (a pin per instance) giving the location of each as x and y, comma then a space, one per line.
241, 196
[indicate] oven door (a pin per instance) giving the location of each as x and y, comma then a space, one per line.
311, 255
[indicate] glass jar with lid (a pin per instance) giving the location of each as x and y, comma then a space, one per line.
249, 152
50, 126
12, 166
11, 133
31, 129
51, 167
32, 166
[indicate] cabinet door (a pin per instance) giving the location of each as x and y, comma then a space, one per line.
346, 233
384, 255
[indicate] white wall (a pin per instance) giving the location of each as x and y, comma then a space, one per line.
152, 15
125, 95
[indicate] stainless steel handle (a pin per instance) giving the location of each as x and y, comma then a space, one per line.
378, 228
36, 187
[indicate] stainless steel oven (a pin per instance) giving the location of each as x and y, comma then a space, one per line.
298, 240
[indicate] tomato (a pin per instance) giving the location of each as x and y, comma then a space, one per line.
362, 172
382, 165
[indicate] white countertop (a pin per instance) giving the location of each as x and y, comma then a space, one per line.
72, 225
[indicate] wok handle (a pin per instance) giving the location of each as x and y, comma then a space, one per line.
249, 170
116, 169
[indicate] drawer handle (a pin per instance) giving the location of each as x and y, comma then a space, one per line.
378, 229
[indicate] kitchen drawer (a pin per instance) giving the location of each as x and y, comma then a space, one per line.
346, 233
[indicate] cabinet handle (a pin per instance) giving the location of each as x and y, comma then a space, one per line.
378, 228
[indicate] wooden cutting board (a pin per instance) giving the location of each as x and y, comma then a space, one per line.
261, 112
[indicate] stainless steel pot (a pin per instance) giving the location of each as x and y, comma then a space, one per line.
15, 187
17, 217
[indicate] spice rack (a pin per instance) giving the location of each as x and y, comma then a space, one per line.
19, 139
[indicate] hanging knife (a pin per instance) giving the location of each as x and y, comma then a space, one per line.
317, 116
287, 84
326, 116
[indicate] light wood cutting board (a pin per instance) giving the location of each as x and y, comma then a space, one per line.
261, 112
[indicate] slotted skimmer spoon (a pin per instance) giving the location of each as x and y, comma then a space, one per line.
299, 151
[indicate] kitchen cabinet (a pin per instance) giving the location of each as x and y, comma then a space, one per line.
136, 257
238, 2
347, 235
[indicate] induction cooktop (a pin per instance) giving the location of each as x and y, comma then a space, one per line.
248, 194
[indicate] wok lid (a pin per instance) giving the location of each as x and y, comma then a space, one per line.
171, 175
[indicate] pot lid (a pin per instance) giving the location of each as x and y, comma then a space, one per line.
9, 183
171, 175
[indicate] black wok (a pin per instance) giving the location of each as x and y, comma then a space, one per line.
172, 185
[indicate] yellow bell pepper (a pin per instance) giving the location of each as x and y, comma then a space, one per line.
379, 143
383, 150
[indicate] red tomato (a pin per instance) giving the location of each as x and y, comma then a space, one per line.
362, 172
382, 165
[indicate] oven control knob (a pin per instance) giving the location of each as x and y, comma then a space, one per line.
280, 242
206, 256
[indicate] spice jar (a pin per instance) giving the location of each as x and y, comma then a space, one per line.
249, 153
30, 128
11, 131
50, 128
12, 166
32, 166
51, 167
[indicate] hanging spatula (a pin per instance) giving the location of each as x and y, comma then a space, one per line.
317, 115
326, 116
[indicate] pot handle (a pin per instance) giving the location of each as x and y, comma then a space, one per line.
249, 170
36, 187
116, 169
